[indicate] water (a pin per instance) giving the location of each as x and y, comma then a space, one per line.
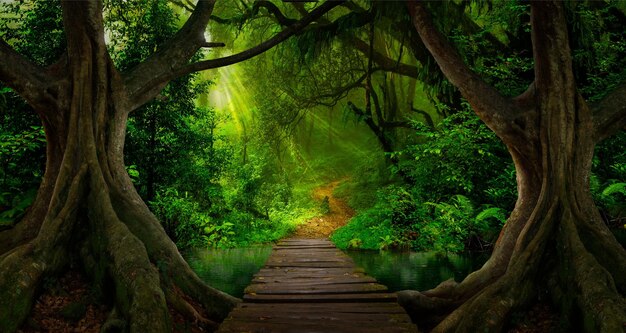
231, 270
416, 270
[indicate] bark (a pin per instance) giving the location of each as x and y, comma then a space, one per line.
554, 243
87, 207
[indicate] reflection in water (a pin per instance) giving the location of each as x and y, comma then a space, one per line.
229, 270
416, 270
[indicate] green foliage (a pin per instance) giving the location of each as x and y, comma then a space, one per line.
454, 225
614, 188
371, 229
463, 184
34, 29
608, 179
461, 156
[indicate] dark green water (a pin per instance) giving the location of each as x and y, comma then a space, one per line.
416, 270
231, 270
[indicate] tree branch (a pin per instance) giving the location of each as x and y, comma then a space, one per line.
494, 109
609, 115
274, 10
356, 20
140, 83
26, 78
150, 86
427, 117
213, 44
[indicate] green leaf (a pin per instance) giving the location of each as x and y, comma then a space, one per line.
614, 188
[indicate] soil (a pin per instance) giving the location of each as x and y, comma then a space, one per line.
339, 213
67, 306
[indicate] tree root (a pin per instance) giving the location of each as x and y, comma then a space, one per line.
428, 308
579, 284
184, 307
139, 296
602, 306
24, 267
173, 268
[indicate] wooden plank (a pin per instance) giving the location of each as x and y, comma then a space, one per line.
314, 264
286, 259
295, 327
302, 247
284, 271
317, 316
317, 307
314, 280
317, 298
278, 288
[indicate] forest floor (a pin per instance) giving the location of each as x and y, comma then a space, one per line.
337, 213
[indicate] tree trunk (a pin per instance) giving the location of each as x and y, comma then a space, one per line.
88, 209
554, 245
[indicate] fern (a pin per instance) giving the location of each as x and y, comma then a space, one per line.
614, 188
493, 212
463, 204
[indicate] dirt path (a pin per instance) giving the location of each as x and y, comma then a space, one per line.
323, 226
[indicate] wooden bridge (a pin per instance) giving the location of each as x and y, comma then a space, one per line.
308, 285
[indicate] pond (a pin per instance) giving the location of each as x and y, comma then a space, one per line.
231, 270
416, 270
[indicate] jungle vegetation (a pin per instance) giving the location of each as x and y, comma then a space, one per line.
132, 130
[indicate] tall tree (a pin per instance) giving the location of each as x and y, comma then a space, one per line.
555, 240
86, 206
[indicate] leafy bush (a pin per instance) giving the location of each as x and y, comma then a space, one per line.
368, 230
461, 156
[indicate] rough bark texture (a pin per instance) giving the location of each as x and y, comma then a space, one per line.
87, 204
87, 209
555, 242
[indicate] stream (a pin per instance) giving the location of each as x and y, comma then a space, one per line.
231, 270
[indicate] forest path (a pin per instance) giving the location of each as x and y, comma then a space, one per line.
323, 226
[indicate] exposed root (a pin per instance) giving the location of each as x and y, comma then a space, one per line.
602, 307
23, 268
428, 308
114, 323
137, 285
600, 242
173, 268
20, 276
185, 308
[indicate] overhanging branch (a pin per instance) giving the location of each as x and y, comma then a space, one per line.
494, 109
168, 72
140, 83
26, 78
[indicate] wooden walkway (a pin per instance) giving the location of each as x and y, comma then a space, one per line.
308, 285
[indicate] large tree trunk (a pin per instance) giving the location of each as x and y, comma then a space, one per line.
554, 245
87, 208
